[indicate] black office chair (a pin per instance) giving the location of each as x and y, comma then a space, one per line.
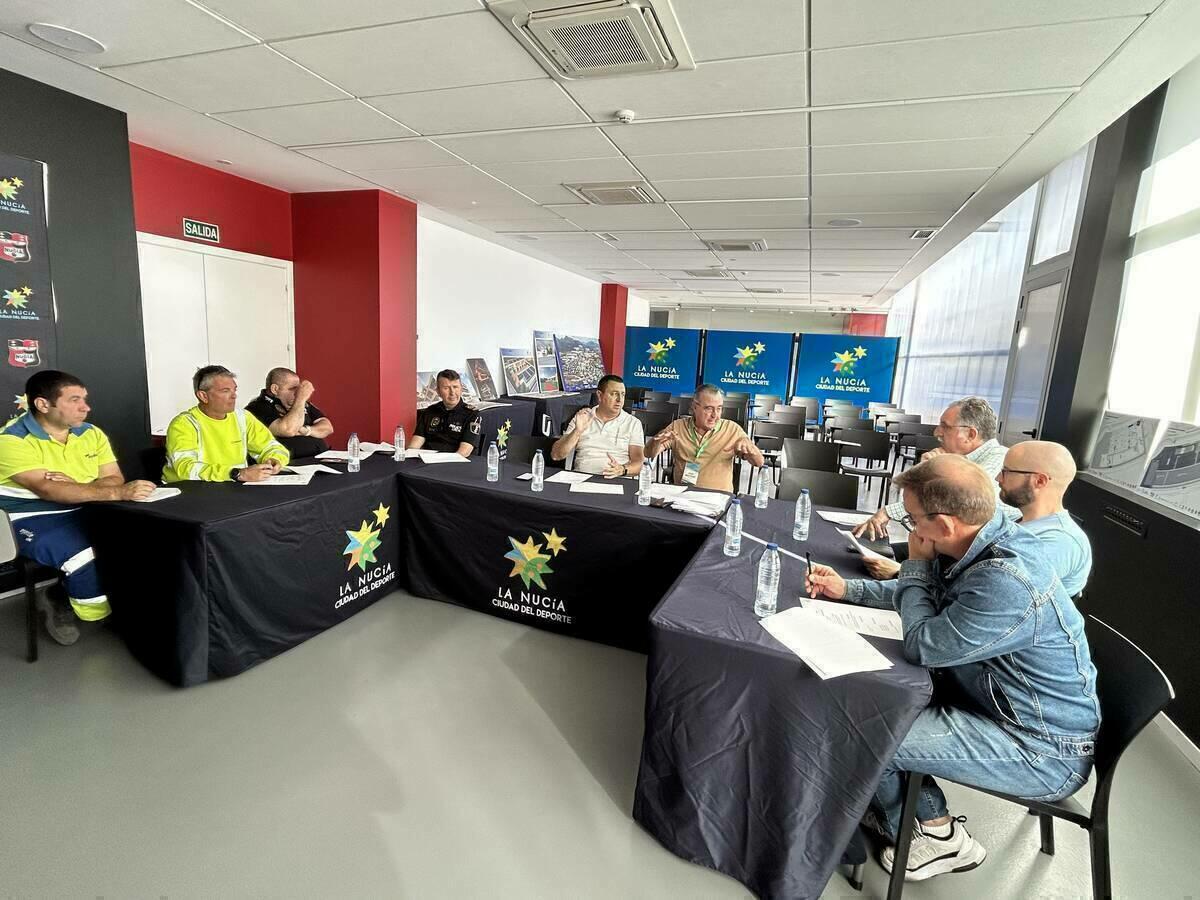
662, 406
25, 568
817, 455
736, 395
790, 415
521, 448
763, 404
842, 409
893, 418
151, 460
764, 429
657, 395
734, 412
634, 396
875, 449
917, 444
1132, 690
653, 422
825, 488
842, 423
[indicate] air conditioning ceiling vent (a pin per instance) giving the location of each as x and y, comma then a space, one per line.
708, 273
744, 245
614, 193
597, 38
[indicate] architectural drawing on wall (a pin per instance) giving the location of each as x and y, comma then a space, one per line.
481, 374
520, 373
1173, 476
1124, 447
426, 389
547, 363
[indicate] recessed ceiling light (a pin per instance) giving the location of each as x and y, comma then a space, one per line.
844, 223
830, 274
66, 38
225, 162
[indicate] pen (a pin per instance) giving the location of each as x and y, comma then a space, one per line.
808, 574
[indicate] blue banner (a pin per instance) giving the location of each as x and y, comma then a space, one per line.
662, 359
748, 362
846, 367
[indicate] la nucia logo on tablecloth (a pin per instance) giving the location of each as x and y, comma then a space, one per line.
10, 187
361, 552
531, 563
502, 434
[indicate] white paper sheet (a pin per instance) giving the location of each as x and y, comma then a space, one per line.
312, 470
884, 623
526, 476
864, 550
847, 519
703, 503
830, 650
666, 491
592, 487
161, 493
432, 456
282, 480
365, 449
565, 477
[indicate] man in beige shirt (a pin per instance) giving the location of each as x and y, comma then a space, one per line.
705, 445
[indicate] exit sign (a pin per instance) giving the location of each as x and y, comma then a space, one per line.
202, 231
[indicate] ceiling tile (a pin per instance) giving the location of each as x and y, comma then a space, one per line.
582, 239
763, 259
795, 239
526, 225
864, 238
871, 184
712, 285
547, 193
563, 171
858, 205
385, 155
776, 279
648, 216
850, 258
910, 220
718, 29
514, 104
530, 146
316, 123
728, 164
733, 188
839, 23
1019, 59
703, 135
676, 259
507, 209
942, 120
244, 78
762, 214
272, 19
632, 240
771, 82
131, 30
416, 56
984, 152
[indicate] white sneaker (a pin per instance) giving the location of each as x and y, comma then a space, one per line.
929, 855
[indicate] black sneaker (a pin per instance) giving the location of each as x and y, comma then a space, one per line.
58, 617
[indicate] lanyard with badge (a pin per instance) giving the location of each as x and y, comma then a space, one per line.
691, 470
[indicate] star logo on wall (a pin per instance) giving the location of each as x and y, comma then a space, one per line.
658, 351
843, 363
748, 355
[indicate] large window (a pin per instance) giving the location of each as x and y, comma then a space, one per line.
955, 321
1156, 362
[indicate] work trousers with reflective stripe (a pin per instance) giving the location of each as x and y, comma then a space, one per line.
57, 539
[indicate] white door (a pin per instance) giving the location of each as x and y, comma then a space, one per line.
1032, 352
176, 328
249, 320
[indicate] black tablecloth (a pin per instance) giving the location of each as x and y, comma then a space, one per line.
464, 538
751, 764
214, 581
551, 412
516, 418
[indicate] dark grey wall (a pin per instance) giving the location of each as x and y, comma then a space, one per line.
93, 247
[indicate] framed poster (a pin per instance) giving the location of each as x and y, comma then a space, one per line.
481, 374
579, 362
662, 359
520, 372
547, 362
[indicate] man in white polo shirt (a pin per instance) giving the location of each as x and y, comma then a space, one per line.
606, 440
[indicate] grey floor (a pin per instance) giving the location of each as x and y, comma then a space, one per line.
421, 750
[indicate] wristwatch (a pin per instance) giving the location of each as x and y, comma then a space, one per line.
234, 473
624, 471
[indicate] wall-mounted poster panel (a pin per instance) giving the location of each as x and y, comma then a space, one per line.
662, 359
26, 297
580, 364
846, 367
749, 362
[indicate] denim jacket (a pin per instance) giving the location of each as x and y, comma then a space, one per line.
1001, 628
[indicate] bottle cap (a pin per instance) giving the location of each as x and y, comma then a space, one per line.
804, 490
736, 500
772, 546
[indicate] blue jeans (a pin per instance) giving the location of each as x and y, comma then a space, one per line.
971, 749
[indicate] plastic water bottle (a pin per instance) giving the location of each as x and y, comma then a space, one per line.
733, 528
398, 443
803, 514
539, 472
493, 462
353, 463
760, 489
645, 480
766, 594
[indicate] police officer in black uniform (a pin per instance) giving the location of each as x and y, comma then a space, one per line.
449, 426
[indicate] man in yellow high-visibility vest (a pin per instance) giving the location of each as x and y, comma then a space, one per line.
211, 441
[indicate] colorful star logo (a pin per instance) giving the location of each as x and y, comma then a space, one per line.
843, 363
22, 402
502, 433
17, 297
382, 514
860, 352
658, 351
365, 541
748, 355
555, 543
529, 562
9, 187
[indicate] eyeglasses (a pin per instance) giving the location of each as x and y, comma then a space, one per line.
943, 426
1004, 472
909, 522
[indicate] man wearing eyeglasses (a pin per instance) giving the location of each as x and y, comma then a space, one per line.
967, 428
1014, 707
1034, 478
705, 444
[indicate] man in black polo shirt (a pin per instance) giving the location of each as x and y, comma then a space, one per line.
284, 408
449, 426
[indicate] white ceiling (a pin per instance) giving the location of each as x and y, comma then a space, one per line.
930, 114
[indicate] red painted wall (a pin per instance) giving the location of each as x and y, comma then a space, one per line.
253, 218
614, 301
355, 269
867, 324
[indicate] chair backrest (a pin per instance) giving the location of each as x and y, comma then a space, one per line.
634, 395
843, 422
838, 409
805, 401
662, 406
736, 395
877, 405
825, 488
735, 412
776, 430
893, 418
900, 429
872, 445
789, 415
8, 540
152, 460
522, 446
764, 403
657, 395
1132, 690
821, 456
769, 443
922, 442
653, 422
